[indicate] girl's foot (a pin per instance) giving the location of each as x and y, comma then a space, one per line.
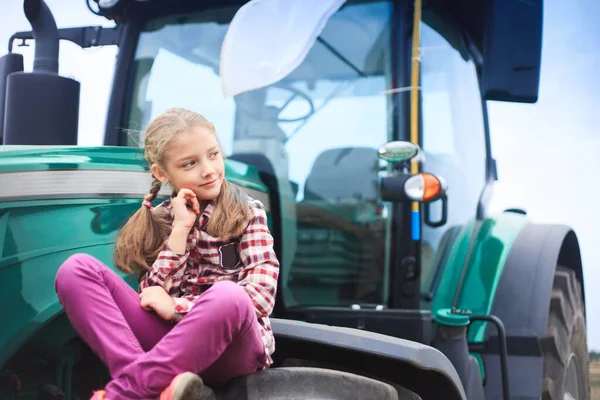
185, 386
98, 395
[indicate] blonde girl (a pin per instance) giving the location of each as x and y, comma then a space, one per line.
208, 276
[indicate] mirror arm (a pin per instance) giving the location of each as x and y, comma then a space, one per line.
84, 37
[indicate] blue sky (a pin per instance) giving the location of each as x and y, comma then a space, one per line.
547, 152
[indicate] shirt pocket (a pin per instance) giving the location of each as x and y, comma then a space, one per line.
229, 257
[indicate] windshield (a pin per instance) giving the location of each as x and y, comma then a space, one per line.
318, 129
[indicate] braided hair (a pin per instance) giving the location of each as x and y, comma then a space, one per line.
142, 237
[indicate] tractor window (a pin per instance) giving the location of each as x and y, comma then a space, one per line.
318, 130
453, 140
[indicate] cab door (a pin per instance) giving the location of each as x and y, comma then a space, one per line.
454, 143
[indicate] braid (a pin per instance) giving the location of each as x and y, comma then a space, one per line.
154, 189
142, 237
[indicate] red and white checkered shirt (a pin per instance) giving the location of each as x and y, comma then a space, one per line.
249, 260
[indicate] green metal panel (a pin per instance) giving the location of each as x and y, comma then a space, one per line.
38, 235
490, 248
34, 158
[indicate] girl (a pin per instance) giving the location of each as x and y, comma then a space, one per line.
208, 276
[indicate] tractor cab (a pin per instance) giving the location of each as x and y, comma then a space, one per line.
314, 136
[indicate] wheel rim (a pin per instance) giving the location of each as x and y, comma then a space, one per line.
572, 391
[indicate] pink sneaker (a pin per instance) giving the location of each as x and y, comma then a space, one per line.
98, 395
185, 386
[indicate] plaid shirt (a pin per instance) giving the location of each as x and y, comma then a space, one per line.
250, 261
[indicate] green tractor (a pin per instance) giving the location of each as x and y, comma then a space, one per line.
374, 162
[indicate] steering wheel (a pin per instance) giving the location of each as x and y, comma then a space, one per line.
273, 112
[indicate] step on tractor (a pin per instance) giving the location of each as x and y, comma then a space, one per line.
373, 160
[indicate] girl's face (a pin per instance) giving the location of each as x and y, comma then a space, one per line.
194, 161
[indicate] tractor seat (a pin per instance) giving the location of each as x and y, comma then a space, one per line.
343, 173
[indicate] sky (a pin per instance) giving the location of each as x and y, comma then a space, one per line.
546, 152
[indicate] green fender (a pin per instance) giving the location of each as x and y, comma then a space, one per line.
34, 303
37, 237
488, 252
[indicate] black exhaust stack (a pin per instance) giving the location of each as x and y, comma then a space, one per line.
45, 34
42, 108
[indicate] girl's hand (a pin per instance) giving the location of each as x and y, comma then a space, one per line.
155, 298
185, 209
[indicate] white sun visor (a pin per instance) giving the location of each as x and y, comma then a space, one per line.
268, 39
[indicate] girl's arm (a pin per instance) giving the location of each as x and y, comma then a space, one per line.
167, 271
261, 267
162, 283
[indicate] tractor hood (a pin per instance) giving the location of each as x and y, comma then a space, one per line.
52, 172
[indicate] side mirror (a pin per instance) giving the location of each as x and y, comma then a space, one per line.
512, 51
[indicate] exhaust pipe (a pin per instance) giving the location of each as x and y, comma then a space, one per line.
42, 107
45, 34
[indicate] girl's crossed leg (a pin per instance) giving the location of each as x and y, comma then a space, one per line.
219, 338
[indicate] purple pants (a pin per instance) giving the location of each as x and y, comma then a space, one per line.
219, 338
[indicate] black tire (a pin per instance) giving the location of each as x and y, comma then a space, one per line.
566, 358
308, 383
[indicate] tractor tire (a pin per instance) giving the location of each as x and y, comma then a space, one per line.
308, 383
566, 358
